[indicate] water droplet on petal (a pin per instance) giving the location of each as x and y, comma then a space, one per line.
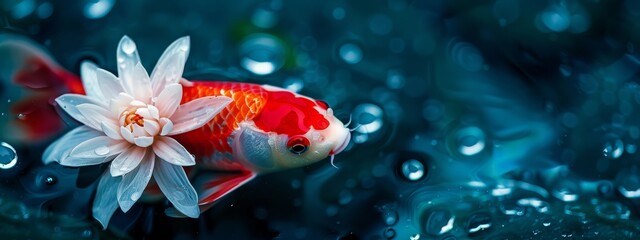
102, 150
136, 195
128, 46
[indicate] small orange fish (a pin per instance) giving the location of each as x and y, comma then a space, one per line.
265, 128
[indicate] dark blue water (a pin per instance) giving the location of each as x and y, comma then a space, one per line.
505, 119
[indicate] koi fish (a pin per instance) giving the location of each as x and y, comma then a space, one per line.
264, 129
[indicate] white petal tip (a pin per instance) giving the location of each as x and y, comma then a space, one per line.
143, 141
125, 206
87, 65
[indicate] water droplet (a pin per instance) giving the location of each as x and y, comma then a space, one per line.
331, 210
500, 190
262, 54
102, 150
350, 53
439, 222
565, 70
128, 47
413, 170
87, 233
50, 180
566, 191
432, 110
395, 79
95, 9
580, 23
628, 183
468, 141
264, 18
389, 233
380, 24
539, 205
136, 195
478, 222
613, 148
557, 18
605, 188
345, 197
390, 217
22, 116
546, 224
466, 55
45, 10
369, 117
512, 210
575, 210
293, 84
339, 13
8, 156
569, 120
613, 211
22, 8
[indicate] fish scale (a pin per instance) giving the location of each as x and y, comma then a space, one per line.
248, 101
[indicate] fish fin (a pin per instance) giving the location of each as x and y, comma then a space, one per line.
212, 186
30, 80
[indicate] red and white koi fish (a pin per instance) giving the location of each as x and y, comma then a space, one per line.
264, 129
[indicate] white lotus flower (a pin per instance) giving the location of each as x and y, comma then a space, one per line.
128, 120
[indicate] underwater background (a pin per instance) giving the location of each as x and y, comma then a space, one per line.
502, 119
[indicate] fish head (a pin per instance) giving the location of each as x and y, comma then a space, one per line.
291, 131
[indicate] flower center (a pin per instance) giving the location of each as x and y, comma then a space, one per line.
131, 117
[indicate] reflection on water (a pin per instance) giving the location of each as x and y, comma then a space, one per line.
505, 119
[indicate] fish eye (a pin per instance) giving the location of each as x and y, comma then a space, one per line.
298, 145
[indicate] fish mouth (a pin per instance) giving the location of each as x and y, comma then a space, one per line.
342, 145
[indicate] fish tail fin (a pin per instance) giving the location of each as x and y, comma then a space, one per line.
30, 80
212, 186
